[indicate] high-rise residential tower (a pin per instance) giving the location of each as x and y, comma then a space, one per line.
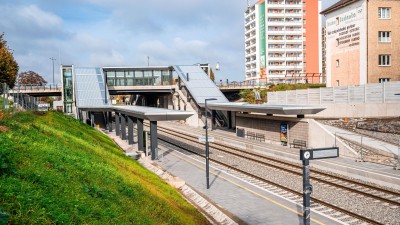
282, 40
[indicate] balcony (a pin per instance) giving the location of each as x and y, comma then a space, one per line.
294, 49
294, 32
296, 15
276, 67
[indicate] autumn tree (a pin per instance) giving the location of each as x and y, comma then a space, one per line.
212, 76
30, 77
8, 65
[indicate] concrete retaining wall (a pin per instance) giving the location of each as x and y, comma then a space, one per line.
364, 110
321, 137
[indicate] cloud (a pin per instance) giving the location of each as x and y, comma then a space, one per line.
124, 33
39, 17
29, 21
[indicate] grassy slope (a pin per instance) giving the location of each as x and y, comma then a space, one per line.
54, 169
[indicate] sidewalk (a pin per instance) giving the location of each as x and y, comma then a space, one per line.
367, 141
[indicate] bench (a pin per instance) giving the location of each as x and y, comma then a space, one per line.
260, 137
250, 134
298, 143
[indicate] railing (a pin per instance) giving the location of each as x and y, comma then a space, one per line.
36, 87
242, 84
387, 92
356, 143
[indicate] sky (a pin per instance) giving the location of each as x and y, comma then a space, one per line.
126, 33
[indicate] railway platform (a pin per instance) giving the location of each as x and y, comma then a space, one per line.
245, 202
366, 171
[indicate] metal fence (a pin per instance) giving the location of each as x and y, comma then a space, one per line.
387, 92
11, 100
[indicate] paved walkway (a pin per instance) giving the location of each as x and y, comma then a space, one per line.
357, 138
248, 203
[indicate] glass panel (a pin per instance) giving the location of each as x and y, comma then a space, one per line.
138, 78
128, 73
110, 74
111, 81
120, 74
157, 77
147, 79
119, 82
129, 82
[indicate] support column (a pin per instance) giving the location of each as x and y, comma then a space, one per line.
92, 119
105, 116
213, 121
229, 113
140, 134
123, 127
130, 130
117, 127
153, 138
110, 122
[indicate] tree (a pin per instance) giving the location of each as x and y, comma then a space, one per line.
8, 65
30, 77
212, 77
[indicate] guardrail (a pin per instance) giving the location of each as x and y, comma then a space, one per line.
242, 84
36, 87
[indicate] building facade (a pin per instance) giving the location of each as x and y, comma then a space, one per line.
362, 42
282, 40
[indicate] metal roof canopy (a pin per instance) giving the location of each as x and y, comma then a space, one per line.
266, 108
199, 85
142, 112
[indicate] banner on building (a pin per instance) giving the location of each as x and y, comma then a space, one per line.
263, 50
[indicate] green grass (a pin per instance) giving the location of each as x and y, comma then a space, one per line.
56, 170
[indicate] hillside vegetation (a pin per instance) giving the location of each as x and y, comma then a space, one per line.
57, 170
248, 95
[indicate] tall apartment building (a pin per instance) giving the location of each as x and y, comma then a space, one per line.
282, 40
362, 42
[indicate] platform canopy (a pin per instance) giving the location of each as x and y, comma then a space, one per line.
142, 112
266, 108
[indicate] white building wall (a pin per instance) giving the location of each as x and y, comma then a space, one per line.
356, 15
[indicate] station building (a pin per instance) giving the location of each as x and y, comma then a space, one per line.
362, 42
282, 40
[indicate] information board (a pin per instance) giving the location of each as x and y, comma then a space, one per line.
319, 153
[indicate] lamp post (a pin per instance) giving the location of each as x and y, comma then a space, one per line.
53, 59
207, 149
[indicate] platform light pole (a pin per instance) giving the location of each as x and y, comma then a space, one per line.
207, 148
53, 59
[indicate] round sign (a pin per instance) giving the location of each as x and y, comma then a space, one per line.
307, 155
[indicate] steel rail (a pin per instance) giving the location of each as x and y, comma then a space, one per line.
354, 215
214, 145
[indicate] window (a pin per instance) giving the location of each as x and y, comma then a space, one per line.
304, 47
384, 36
383, 13
382, 80
337, 62
337, 20
384, 60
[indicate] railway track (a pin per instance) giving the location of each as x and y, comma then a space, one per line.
354, 187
